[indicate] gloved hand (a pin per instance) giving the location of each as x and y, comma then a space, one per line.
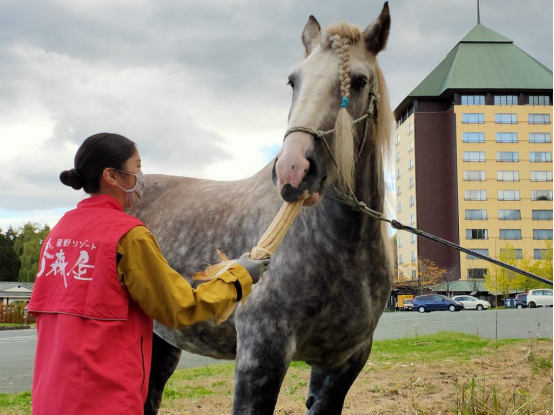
255, 267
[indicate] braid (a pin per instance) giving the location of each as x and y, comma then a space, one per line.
344, 131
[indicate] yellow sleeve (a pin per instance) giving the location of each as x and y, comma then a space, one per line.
163, 293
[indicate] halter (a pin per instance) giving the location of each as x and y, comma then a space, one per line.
370, 113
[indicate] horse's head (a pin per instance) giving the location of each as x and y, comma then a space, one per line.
332, 85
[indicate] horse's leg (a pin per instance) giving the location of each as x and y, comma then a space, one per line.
165, 358
260, 369
328, 387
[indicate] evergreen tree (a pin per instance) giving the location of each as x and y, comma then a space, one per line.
27, 246
9, 261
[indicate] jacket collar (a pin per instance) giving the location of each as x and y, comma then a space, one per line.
100, 201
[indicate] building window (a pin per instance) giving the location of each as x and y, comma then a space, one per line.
473, 100
506, 118
476, 273
541, 194
411, 165
518, 252
410, 128
414, 274
541, 176
412, 239
399, 207
477, 234
397, 139
507, 156
474, 176
400, 242
506, 137
398, 174
540, 156
542, 214
475, 195
539, 253
539, 118
539, 100
508, 195
473, 156
413, 256
398, 191
398, 156
473, 137
400, 259
411, 146
539, 138
473, 118
412, 200
479, 251
509, 214
411, 182
542, 234
510, 234
505, 100
507, 176
476, 214
412, 219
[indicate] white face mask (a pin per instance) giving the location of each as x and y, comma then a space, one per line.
134, 195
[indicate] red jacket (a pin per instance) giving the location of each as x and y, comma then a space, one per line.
94, 343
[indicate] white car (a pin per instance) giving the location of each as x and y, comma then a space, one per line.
539, 297
470, 302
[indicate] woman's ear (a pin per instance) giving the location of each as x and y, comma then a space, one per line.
108, 176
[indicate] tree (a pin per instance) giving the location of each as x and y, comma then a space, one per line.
27, 246
500, 278
523, 283
545, 267
9, 261
428, 273
449, 276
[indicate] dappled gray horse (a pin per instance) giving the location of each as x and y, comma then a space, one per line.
330, 279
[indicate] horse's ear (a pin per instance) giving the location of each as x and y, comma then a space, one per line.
377, 33
310, 33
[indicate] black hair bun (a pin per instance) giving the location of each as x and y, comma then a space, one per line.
72, 178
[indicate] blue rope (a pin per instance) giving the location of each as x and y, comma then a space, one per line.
344, 102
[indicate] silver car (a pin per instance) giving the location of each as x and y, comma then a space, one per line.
470, 302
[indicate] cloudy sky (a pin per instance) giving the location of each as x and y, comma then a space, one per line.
199, 85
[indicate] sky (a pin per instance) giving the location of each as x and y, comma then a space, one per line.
200, 86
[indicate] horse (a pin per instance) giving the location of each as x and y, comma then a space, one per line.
330, 279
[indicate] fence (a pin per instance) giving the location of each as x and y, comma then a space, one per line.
15, 314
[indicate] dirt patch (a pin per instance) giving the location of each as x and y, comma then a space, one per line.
517, 375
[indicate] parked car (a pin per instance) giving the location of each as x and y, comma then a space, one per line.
408, 304
521, 300
435, 302
539, 297
470, 302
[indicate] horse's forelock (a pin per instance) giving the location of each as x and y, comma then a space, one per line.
344, 30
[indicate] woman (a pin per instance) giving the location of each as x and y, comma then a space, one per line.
102, 280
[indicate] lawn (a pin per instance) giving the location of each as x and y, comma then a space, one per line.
445, 373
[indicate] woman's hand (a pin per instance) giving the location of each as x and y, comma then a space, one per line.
255, 267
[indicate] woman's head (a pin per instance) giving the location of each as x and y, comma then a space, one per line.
97, 153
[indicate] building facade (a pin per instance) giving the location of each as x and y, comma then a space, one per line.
474, 156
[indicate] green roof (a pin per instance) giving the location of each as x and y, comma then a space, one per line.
484, 59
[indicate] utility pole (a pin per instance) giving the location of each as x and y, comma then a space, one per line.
478, 14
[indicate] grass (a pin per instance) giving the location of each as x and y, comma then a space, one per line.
10, 324
447, 373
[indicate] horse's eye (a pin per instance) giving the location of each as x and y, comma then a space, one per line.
359, 83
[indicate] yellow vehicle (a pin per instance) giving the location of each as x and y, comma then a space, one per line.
400, 300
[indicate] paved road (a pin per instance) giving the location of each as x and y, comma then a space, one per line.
17, 347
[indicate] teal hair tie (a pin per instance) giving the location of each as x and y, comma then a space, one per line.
344, 102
